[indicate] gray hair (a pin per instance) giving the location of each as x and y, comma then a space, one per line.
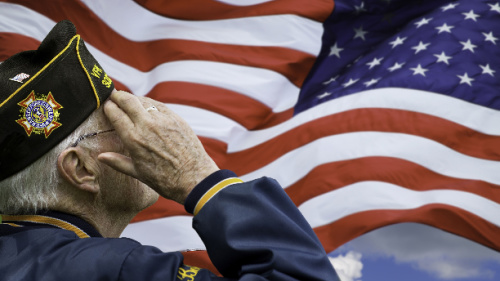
35, 187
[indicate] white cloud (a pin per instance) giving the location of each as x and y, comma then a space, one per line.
348, 267
444, 255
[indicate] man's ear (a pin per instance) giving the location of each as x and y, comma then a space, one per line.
78, 169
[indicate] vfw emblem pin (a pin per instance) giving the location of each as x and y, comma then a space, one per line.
39, 114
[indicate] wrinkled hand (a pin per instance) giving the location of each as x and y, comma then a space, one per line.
164, 151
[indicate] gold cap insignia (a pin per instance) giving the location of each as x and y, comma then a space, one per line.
39, 114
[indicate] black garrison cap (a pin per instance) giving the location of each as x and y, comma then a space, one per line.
45, 94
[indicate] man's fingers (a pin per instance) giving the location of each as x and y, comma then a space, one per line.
162, 107
147, 102
119, 162
130, 104
118, 119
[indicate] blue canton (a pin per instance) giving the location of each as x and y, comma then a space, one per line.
446, 47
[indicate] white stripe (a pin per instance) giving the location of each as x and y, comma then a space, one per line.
368, 196
244, 2
19, 19
288, 31
295, 164
173, 233
201, 120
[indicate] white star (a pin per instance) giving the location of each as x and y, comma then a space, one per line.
371, 82
360, 33
419, 70
471, 15
324, 95
331, 80
396, 66
445, 28
468, 46
423, 22
350, 83
495, 7
397, 41
487, 70
490, 37
420, 47
449, 7
465, 79
360, 8
442, 58
335, 50
374, 62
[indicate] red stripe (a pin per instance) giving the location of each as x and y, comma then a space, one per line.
120, 86
249, 112
447, 218
452, 135
317, 10
396, 171
145, 56
13, 43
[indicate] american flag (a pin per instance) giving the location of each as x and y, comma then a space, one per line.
368, 113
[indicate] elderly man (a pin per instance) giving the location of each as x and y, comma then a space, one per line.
78, 160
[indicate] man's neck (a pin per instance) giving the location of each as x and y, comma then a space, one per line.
109, 224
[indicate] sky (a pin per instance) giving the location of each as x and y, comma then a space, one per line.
412, 252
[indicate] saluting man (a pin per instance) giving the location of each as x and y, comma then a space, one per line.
69, 185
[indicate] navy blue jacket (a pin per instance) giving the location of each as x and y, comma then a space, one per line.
252, 231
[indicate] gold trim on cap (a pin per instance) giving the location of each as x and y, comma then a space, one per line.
86, 72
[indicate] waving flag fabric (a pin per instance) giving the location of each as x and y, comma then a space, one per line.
378, 113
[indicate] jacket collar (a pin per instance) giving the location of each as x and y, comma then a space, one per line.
52, 219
